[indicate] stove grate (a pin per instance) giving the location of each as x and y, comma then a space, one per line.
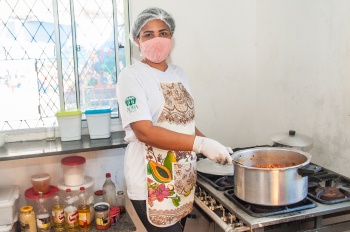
265, 211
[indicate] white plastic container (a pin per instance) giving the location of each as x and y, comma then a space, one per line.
9, 197
99, 123
69, 123
10, 227
73, 170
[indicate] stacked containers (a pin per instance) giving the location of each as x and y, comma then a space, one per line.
9, 197
74, 178
32, 197
99, 123
69, 123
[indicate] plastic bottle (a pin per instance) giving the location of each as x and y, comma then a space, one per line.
43, 219
57, 214
70, 213
110, 191
84, 218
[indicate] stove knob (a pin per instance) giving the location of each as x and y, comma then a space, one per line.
224, 218
232, 218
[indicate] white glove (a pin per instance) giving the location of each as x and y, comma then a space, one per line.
212, 149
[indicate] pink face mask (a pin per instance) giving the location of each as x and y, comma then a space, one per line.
156, 49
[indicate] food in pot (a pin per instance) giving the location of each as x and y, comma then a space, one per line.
270, 166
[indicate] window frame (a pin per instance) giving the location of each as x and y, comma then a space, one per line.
38, 133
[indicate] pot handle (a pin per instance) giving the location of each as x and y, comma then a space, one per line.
308, 170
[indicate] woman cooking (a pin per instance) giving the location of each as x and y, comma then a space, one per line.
158, 116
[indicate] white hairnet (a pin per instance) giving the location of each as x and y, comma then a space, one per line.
149, 14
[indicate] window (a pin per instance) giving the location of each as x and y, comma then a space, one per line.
59, 55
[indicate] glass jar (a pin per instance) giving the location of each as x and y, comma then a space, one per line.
102, 221
98, 197
27, 219
121, 201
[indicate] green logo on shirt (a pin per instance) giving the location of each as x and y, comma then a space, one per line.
131, 103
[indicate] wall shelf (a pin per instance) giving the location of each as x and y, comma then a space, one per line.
41, 148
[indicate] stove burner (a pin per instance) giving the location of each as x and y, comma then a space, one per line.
264, 211
330, 193
329, 188
218, 182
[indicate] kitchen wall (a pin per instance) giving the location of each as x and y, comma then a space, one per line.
256, 68
260, 67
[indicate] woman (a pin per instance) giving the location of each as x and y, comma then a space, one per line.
157, 112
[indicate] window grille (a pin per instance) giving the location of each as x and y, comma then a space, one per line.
59, 55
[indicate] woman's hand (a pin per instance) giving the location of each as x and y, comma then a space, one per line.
212, 149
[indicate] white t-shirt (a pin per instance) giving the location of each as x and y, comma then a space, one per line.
140, 98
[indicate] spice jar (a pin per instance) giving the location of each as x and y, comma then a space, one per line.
27, 219
121, 201
102, 221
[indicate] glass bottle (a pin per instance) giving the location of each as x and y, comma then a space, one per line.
27, 219
84, 218
57, 214
110, 195
43, 219
121, 201
70, 212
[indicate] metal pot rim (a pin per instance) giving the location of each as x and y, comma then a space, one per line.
235, 156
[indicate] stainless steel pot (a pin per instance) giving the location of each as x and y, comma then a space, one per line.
272, 186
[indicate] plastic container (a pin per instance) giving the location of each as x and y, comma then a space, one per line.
9, 197
69, 123
99, 123
73, 170
41, 182
31, 197
10, 227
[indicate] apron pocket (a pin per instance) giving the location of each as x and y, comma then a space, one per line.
185, 177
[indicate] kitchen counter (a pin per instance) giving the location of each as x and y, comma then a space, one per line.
40, 148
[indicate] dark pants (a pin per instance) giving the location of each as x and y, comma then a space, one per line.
140, 208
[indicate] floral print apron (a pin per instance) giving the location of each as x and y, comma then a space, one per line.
171, 175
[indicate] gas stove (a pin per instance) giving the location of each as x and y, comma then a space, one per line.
326, 207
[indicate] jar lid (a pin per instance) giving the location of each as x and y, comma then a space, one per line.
26, 209
40, 177
29, 193
73, 160
99, 192
101, 207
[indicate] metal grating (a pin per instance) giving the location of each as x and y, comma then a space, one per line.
89, 58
